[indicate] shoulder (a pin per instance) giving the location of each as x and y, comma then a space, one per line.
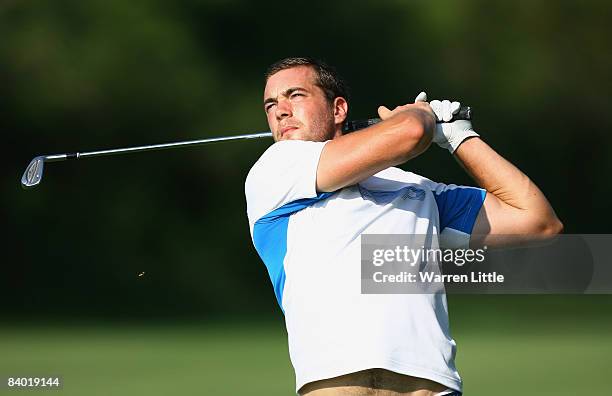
282, 155
285, 172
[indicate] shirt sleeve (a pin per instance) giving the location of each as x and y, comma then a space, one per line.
285, 173
458, 207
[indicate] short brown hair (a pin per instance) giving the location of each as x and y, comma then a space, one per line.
326, 76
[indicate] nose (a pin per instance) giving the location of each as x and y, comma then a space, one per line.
283, 109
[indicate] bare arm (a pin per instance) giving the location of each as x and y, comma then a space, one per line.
403, 134
514, 205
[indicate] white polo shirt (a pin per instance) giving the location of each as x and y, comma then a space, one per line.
310, 244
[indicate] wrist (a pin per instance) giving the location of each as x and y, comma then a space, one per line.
417, 130
458, 140
450, 135
427, 122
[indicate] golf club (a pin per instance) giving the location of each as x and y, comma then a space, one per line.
34, 172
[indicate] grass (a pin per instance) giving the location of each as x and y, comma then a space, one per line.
152, 360
499, 352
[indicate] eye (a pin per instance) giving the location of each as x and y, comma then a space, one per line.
268, 107
293, 95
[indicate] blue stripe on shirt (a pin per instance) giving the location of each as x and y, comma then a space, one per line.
270, 240
458, 207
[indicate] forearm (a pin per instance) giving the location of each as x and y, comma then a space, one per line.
351, 158
509, 185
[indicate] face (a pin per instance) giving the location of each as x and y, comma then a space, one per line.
296, 108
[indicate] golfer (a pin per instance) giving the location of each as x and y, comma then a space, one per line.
315, 191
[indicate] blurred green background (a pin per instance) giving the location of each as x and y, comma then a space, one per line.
202, 319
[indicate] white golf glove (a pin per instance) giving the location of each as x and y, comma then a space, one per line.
448, 135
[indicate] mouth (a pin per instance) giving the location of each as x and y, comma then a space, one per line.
286, 129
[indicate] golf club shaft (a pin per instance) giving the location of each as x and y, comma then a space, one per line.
464, 113
153, 147
34, 172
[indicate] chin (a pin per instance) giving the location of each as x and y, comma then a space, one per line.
299, 134
294, 135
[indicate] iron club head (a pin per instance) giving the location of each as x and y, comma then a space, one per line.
33, 173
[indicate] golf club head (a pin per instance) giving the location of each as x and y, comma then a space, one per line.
33, 173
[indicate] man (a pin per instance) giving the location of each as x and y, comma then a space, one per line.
314, 192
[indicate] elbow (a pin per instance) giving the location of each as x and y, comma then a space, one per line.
548, 228
554, 227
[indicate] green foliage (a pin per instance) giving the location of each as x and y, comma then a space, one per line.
102, 74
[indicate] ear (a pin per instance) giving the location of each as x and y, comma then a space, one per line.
340, 110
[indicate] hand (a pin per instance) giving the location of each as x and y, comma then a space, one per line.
444, 109
450, 135
419, 103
